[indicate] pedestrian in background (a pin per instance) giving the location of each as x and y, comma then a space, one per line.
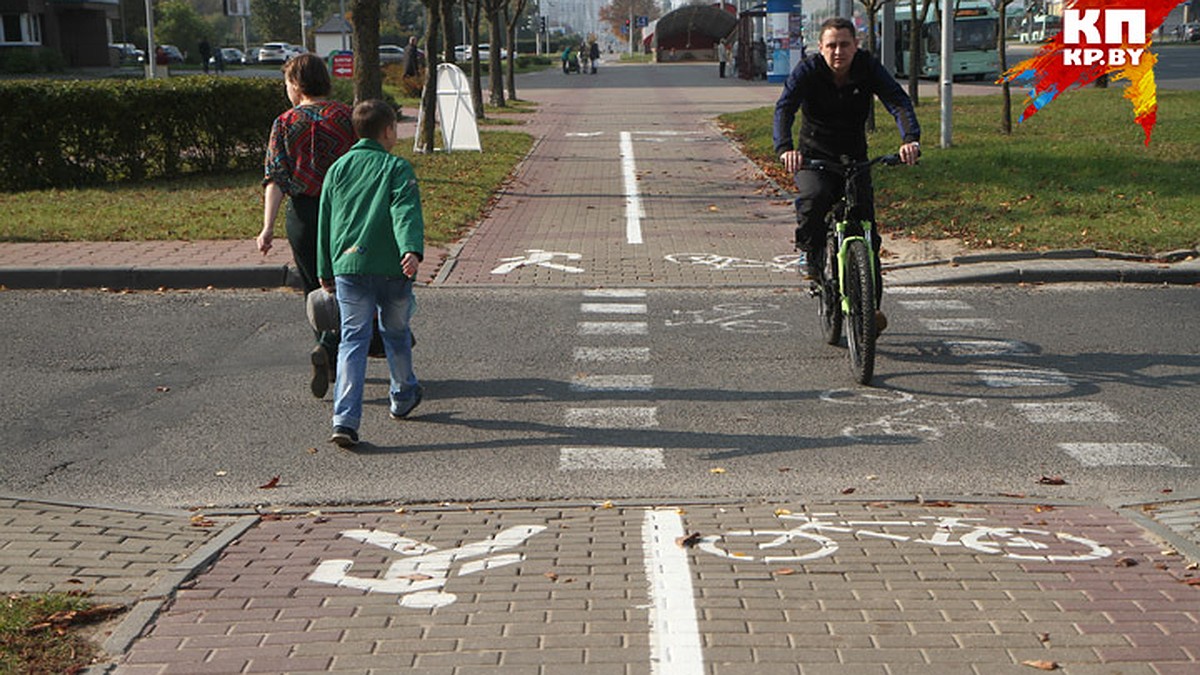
305, 140
722, 57
205, 54
411, 63
372, 239
594, 55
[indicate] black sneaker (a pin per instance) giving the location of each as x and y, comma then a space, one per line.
409, 405
344, 437
321, 372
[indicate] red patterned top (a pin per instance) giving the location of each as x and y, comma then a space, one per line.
304, 142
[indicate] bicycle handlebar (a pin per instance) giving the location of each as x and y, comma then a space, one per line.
842, 167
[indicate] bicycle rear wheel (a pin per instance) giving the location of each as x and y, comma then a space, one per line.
860, 289
830, 297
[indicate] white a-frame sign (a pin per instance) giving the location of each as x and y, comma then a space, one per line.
455, 111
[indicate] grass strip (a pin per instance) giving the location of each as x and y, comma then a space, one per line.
1074, 175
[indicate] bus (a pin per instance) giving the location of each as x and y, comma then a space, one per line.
976, 24
1039, 28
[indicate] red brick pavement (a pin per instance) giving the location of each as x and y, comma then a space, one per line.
578, 601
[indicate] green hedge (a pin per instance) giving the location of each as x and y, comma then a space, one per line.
68, 133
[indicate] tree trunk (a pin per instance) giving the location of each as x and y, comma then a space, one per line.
425, 138
368, 78
916, 31
495, 74
476, 72
510, 65
1005, 94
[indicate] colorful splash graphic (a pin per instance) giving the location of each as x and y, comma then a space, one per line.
1102, 43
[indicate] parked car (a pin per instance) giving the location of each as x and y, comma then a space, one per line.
485, 52
391, 54
128, 53
278, 52
231, 55
1190, 32
174, 55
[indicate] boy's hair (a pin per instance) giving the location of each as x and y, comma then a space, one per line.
372, 117
838, 23
309, 74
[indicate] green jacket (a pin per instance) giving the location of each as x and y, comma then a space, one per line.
370, 214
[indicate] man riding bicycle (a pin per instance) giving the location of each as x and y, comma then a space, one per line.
833, 89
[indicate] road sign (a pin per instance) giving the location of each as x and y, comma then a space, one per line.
343, 65
643, 21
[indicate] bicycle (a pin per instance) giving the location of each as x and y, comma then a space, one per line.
807, 541
850, 294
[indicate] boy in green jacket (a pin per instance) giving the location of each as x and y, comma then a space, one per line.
371, 238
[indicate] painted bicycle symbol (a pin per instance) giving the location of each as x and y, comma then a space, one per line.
732, 317
808, 541
780, 263
419, 577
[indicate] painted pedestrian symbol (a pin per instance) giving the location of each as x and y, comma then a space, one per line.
539, 258
420, 576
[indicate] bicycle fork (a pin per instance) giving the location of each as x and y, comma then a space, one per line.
843, 246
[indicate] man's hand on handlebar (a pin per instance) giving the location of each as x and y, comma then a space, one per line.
909, 152
792, 159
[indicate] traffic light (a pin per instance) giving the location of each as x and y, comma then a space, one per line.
543, 24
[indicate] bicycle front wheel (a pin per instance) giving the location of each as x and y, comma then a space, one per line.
860, 292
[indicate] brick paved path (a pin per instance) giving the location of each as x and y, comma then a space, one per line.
581, 600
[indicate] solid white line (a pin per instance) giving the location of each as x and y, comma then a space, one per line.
633, 199
674, 631
613, 354
586, 383
612, 327
612, 308
610, 459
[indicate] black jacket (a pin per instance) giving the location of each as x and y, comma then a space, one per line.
834, 119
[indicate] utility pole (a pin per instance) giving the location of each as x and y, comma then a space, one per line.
947, 73
151, 56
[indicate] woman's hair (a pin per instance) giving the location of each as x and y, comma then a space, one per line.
371, 117
309, 74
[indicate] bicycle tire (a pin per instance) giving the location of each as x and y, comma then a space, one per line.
860, 292
830, 308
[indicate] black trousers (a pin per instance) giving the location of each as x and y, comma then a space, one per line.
817, 193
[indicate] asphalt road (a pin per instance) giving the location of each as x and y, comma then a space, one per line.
191, 399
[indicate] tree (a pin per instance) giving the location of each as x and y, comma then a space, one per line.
180, 25
368, 77
518, 10
872, 8
494, 10
616, 13
1006, 104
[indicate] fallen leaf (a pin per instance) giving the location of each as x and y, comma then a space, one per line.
1013, 495
1043, 637
848, 491
688, 541
221, 473
1192, 582
201, 521
784, 571
607, 504
716, 470
417, 576
162, 389
782, 512
1126, 562
1041, 664
1041, 507
273, 483
941, 504
552, 576
1052, 480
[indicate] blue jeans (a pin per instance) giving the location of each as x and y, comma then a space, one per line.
360, 298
